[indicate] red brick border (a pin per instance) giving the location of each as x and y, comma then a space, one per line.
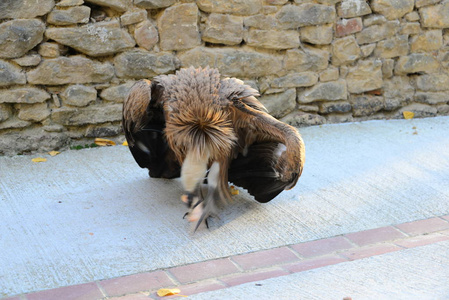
252, 267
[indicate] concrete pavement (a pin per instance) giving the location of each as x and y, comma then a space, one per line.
90, 215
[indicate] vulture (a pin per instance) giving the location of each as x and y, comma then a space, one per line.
210, 131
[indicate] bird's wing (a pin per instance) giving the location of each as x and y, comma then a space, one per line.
271, 154
143, 124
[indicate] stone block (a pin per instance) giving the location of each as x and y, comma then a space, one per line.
33, 112
295, 80
428, 41
118, 5
28, 61
421, 3
154, 4
223, 29
146, 35
416, 63
98, 39
435, 16
234, 7
178, 27
345, 51
261, 21
133, 16
24, 9
377, 33
89, 115
411, 28
348, 26
335, 107
23, 95
434, 82
420, 110
392, 9
398, 87
73, 69
431, 98
69, 16
79, 95
243, 63
117, 93
139, 64
368, 49
365, 76
387, 68
10, 74
339, 118
279, 105
325, 91
273, 39
19, 36
413, 16
392, 47
49, 50
301, 119
330, 74
306, 59
294, 16
11, 123
317, 35
5, 112
366, 105
68, 3
353, 8
374, 19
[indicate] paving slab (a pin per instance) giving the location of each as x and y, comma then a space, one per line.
93, 214
419, 273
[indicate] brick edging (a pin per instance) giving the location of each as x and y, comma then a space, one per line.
251, 267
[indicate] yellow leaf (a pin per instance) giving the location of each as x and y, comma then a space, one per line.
104, 142
125, 143
39, 159
408, 115
168, 292
53, 153
234, 191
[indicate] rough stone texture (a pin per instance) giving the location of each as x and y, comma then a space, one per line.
306, 59
420, 110
140, 64
17, 37
428, 41
183, 16
366, 105
345, 51
24, 9
146, 35
79, 95
279, 105
392, 9
292, 16
333, 90
273, 39
72, 15
317, 35
233, 62
223, 29
393, 47
152, 4
117, 93
33, 112
234, 7
414, 63
10, 74
100, 39
436, 16
353, 8
348, 26
75, 69
23, 95
78, 59
119, 5
365, 76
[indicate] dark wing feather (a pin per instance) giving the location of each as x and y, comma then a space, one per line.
271, 153
144, 123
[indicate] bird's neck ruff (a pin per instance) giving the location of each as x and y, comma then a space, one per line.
203, 129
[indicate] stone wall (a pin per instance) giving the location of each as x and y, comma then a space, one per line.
66, 66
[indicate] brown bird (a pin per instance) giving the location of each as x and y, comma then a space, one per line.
199, 126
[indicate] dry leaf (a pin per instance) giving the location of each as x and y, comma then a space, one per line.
53, 153
408, 115
104, 142
167, 292
125, 143
38, 159
234, 191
